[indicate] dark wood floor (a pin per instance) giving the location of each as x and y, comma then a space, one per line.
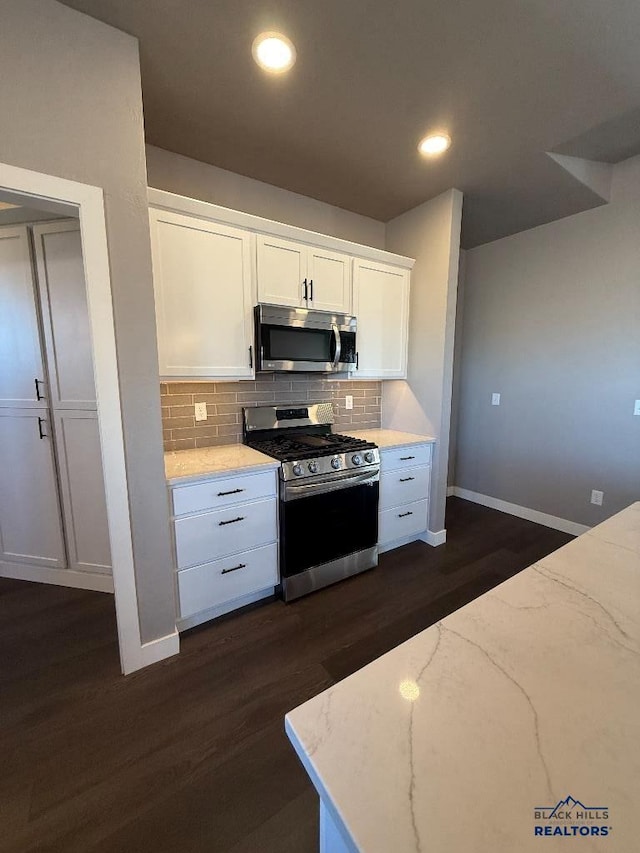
191, 755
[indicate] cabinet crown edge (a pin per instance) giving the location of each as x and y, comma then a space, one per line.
174, 203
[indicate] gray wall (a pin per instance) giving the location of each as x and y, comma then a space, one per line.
430, 233
457, 360
552, 322
71, 106
182, 175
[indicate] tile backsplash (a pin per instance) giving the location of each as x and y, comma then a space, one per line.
225, 401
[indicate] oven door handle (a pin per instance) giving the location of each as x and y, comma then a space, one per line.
336, 335
295, 491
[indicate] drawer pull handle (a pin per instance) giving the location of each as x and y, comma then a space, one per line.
403, 514
406, 479
406, 458
231, 521
234, 569
232, 492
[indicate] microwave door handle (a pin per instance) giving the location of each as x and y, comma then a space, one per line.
336, 335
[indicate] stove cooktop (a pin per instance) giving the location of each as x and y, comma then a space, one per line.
300, 446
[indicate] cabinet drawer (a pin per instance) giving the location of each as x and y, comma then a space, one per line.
404, 486
215, 583
207, 537
405, 457
219, 493
402, 521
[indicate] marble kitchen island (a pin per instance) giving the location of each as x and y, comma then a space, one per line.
465, 738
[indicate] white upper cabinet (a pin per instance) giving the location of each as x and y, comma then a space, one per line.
329, 281
301, 276
22, 378
212, 264
282, 272
204, 299
381, 304
65, 314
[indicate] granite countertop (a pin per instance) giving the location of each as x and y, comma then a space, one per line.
389, 437
184, 466
526, 696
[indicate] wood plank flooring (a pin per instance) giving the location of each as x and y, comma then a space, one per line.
190, 754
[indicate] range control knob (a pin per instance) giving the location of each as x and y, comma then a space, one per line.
368, 456
336, 462
313, 467
297, 469
356, 459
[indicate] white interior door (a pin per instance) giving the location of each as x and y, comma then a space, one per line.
30, 523
204, 304
65, 314
21, 362
381, 304
82, 487
281, 271
329, 276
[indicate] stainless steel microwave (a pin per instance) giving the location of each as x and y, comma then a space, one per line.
298, 339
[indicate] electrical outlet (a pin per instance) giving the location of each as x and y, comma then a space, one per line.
597, 497
495, 399
636, 408
201, 411
348, 401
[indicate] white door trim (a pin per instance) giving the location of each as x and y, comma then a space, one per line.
88, 201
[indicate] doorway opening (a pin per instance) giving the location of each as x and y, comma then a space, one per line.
67, 415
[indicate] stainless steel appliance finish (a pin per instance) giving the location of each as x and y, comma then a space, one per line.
304, 340
318, 577
328, 490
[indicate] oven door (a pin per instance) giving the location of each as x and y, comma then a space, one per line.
324, 521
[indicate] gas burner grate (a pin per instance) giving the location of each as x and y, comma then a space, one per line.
289, 449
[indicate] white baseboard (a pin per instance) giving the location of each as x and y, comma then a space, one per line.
157, 650
563, 524
428, 536
383, 547
434, 537
58, 577
451, 490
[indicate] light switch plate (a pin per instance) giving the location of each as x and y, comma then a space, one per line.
348, 401
201, 411
636, 408
597, 497
495, 399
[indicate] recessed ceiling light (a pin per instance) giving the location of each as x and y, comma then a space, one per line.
435, 143
273, 52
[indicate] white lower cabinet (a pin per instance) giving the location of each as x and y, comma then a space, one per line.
226, 543
227, 579
402, 521
405, 479
200, 538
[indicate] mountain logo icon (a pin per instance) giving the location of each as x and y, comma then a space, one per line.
567, 804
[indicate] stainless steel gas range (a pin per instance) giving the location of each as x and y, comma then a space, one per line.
328, 494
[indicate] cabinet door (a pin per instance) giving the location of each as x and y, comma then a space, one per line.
82, 486
204, 304
281, 270
329, 276
21, 362
30, 523
65, 314
381, 304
